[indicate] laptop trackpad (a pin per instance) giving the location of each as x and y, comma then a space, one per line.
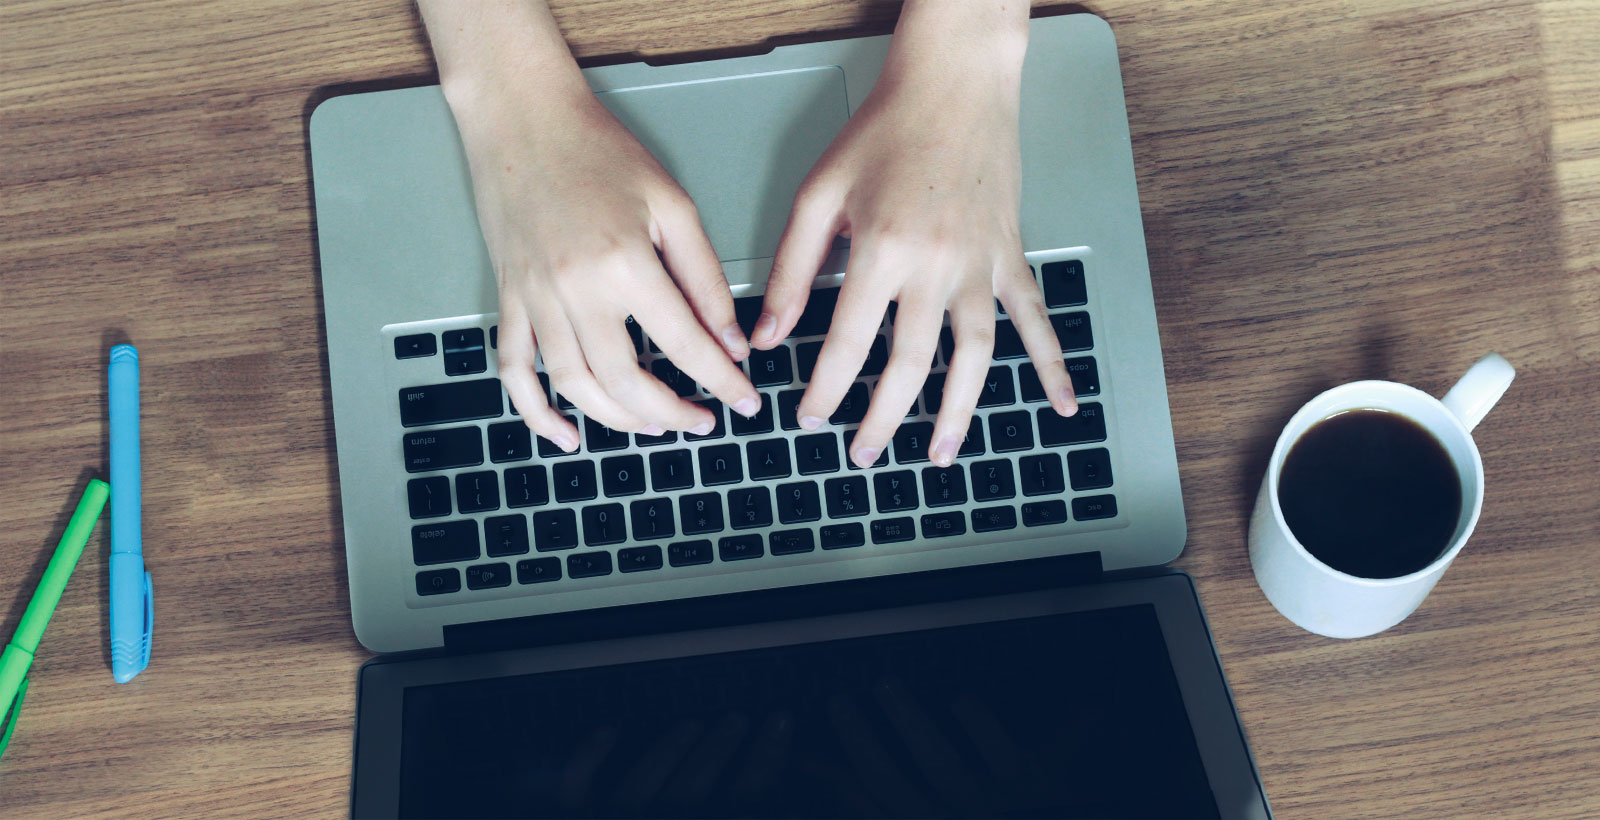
740, 146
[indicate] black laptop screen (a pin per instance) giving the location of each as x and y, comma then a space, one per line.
1073, 715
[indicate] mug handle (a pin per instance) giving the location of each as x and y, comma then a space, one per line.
1483, 385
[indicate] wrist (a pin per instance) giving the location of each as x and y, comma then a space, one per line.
989, 35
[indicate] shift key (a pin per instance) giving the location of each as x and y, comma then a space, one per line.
453, 401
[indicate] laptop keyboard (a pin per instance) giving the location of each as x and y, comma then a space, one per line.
494, 507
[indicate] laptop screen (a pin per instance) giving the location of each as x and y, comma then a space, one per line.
1070, 715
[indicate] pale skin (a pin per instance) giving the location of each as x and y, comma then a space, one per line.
585, 228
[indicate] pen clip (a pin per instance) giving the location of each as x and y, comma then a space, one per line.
149, 623
11, 716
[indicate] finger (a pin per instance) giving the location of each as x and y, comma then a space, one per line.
883, 779
813, 223
652, 769
916, 337
691, 783
517, 352
616, 367
862, 302
570, 375
972, 325
674, 329
578, 777
766, 757
1020, 294
693, 264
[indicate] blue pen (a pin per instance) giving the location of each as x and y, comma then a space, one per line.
132, 608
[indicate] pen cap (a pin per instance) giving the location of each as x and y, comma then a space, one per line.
123, 393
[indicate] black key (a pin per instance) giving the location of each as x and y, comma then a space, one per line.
799, 502
768, 458
1009, 432
505, 535
1085, 376
456, 401
548, 448
689, 553
933, 393
1064, 284
817, 453
574, 481
509, 441
700, 513
428, 497
588, 564
671, 470
789, 409
947, 344
1028, 382
623, 475
718, 431
635, 333
993, 480
1041, 474
789, 542
538, 570
892, 530
1089, 469
463, 352
1007, 342
944, 525
555, 530
805, 354
911, 442
720, 465
841, 536
755, 425
853, 408
1041, 513
883, 455
847, 496
652, 519
911, 410
877, 358
1086, 425
997, 390
438, 581
972, 442
488, 576
494, 337
639, 559
415, 346
747, 310
544, 384
944, 486
442, 449
444, 542
477, 492
601, 438
1091, 507
991, 519
1073, 330
771, 368
674, 378
667, 437
896, 491
602, 524
740, 547
750, 507
818, 315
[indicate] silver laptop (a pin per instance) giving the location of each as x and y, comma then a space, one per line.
453, 516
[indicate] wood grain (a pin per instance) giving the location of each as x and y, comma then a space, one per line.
1332, 190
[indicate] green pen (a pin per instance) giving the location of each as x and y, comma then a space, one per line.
19, 653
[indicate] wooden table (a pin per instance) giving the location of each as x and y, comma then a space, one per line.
1333, 190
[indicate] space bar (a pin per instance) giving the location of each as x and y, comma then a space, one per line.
455, 401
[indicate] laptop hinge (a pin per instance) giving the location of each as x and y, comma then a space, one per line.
774, 604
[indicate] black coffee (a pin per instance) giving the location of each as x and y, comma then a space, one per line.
1370, 493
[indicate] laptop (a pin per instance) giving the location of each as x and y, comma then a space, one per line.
506, 563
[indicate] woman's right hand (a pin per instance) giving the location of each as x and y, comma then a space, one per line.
585, 229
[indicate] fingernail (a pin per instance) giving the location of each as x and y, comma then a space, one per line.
944, 451
733, 339
1067, 399
765, 327
810, 422
747, 407
864, 456
567, 443
705, 427
652, 430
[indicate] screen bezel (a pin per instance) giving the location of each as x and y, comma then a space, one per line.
1230, 770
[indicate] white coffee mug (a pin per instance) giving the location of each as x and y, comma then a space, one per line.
1324, 600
